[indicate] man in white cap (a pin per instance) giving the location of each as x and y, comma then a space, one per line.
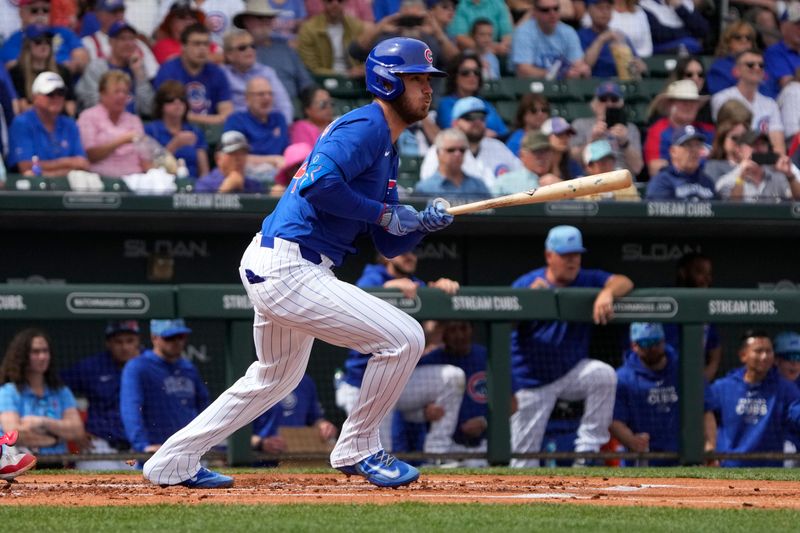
44, 135
551, 360
680, 104
229, 176
487, 158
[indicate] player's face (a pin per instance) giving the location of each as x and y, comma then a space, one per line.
39, 356
123, 346
414, 103
650, 354
757, 356
563, 267
457, 337
404, 264
170, 348
788, 369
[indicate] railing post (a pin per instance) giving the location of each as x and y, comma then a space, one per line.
691, 360
239, 354
498, 385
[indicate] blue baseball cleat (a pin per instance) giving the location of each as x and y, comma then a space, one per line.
206, 479
383, 469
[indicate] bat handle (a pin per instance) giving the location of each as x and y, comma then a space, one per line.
440, 204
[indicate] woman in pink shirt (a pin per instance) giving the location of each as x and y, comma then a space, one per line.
108, 132
318, 110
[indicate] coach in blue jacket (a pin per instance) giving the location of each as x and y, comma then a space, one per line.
160, 392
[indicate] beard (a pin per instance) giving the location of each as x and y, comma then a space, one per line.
473, 136
407, 110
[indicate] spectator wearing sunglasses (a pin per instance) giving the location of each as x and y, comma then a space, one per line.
466, 79
318, 112
609, 123
43, 132
323, 42
37, 57
738, 37
67, 45
449, 181
532, 111
749, 73
545, 47
241, 66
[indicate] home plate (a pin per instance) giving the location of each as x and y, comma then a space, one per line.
629, 488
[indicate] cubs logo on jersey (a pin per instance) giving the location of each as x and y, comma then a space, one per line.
216, 21
476, 387
196, 96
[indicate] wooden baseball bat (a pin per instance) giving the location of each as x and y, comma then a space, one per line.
596, 183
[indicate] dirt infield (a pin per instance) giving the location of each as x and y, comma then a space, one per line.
273, 488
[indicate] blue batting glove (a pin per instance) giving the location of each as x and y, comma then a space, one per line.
400, 219
434, 217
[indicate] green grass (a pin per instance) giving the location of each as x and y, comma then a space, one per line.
415, 518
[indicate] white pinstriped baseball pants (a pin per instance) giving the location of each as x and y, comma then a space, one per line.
297, 302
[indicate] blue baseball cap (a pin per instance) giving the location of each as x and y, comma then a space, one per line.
469, 104
121, 326
120, 26
647, 333
37, 31
564, 240
787, 345
608, 88
169, 327
596, 151
110, 5
686, 134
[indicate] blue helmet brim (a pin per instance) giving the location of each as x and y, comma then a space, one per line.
419, 69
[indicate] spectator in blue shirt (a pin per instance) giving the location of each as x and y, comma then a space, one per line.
33, 399
97, 379
230, 173
207, 88
43, 132
160, 392
598, 39
449, 181
67, 45
265, 129
683, 178
543, 46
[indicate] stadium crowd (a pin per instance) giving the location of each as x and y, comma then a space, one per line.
143, 90
222, 95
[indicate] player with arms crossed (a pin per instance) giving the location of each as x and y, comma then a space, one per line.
346, 187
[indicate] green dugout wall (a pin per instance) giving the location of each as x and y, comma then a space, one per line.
227, 308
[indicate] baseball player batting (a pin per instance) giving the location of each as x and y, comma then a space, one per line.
346, 187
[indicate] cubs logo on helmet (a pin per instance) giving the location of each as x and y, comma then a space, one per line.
394, 56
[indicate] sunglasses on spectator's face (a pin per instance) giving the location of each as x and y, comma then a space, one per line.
43, 10
471, 117
754, 64
323, 104
608, 98
243, 47
741, 37
40, 40
58, 93
693, 74
552, 9
469, 72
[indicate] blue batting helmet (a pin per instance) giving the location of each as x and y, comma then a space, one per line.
399, 55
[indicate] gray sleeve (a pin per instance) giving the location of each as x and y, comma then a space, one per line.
86, 90
281, 99
634, 137
145, 96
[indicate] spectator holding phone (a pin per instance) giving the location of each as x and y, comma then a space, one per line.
609, 123
749, 73
761, 175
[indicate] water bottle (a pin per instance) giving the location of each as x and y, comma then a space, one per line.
182, 172
36, 168
550, 447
